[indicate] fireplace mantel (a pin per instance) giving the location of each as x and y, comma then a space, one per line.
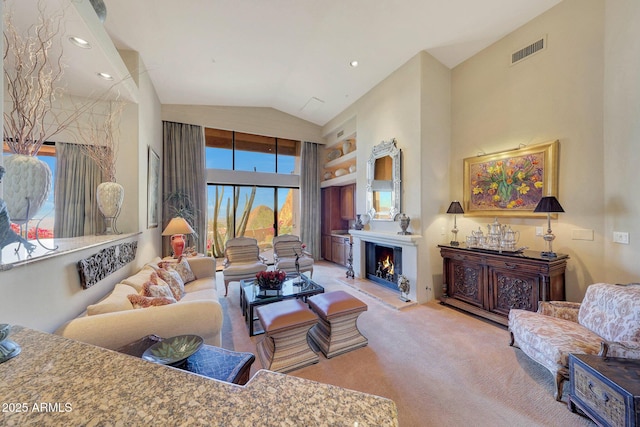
388, 238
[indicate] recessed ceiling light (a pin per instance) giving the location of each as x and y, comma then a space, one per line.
353, 63
105, 76
77, 41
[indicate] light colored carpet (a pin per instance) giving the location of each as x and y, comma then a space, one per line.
440, 366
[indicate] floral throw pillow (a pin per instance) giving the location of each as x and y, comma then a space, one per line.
157, 288
140, 301
173, 279
181, 266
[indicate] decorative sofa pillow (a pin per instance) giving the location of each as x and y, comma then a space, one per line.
157, 287
140, 278
173, 279
116, 301
181, 266
140, 301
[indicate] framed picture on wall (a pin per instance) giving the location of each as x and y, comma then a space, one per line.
510, 183
153, 188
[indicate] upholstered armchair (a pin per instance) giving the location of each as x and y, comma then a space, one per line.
285, 250
242, 260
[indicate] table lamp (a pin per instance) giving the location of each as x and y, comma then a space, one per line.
548, 205
455, 208
177, 228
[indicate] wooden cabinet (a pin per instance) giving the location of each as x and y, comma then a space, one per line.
348, 202
340, 249
331, 219
490, 283
338, 208
325, 247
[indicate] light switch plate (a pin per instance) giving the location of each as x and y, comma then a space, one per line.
539, 231
621, 237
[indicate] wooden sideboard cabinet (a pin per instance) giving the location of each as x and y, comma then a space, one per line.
490, 283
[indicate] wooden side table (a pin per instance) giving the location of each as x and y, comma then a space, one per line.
607, 390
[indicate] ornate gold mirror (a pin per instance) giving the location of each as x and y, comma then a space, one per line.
383, 181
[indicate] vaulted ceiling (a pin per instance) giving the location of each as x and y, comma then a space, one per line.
293, 55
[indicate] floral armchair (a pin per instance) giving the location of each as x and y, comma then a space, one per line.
607, 323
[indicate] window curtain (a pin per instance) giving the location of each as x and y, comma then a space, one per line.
310, 198
183, 166
77, 178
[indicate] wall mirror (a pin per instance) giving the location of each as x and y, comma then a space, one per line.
383, 181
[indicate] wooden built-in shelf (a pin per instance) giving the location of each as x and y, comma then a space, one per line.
342, 159
349, 178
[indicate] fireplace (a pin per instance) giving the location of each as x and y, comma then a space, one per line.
383, 264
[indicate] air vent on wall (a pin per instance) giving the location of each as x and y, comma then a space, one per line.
529, 50
340, 133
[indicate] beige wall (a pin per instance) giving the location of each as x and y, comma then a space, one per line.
555, 94
412, 106
255, 120
622, 139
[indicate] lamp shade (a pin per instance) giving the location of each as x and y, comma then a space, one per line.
455, 208
177, 225
548, 204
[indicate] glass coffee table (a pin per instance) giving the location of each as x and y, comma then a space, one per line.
251, 296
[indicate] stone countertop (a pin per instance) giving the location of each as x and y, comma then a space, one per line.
57, 381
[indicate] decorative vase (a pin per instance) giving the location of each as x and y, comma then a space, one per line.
8, 348
404, 223
110, 196
26, 186
346, 147
358, 225
177, 244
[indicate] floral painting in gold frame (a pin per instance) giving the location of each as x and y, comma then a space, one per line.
510, 183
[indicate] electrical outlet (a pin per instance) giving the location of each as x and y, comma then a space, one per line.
538, 231
621, 237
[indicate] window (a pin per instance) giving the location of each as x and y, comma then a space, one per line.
250, 211
241, 203
238, 151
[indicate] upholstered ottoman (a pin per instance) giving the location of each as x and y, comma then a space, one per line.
337, 330
284, 346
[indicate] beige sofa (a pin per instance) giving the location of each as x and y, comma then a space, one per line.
113, 322
607, 322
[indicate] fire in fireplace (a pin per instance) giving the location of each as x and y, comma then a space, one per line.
383, 264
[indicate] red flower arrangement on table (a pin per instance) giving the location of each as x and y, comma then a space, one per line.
271, 280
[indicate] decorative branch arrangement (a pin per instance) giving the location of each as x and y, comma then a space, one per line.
33, 73
101, 139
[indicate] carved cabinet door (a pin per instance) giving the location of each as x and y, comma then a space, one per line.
513, 286
466, 281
